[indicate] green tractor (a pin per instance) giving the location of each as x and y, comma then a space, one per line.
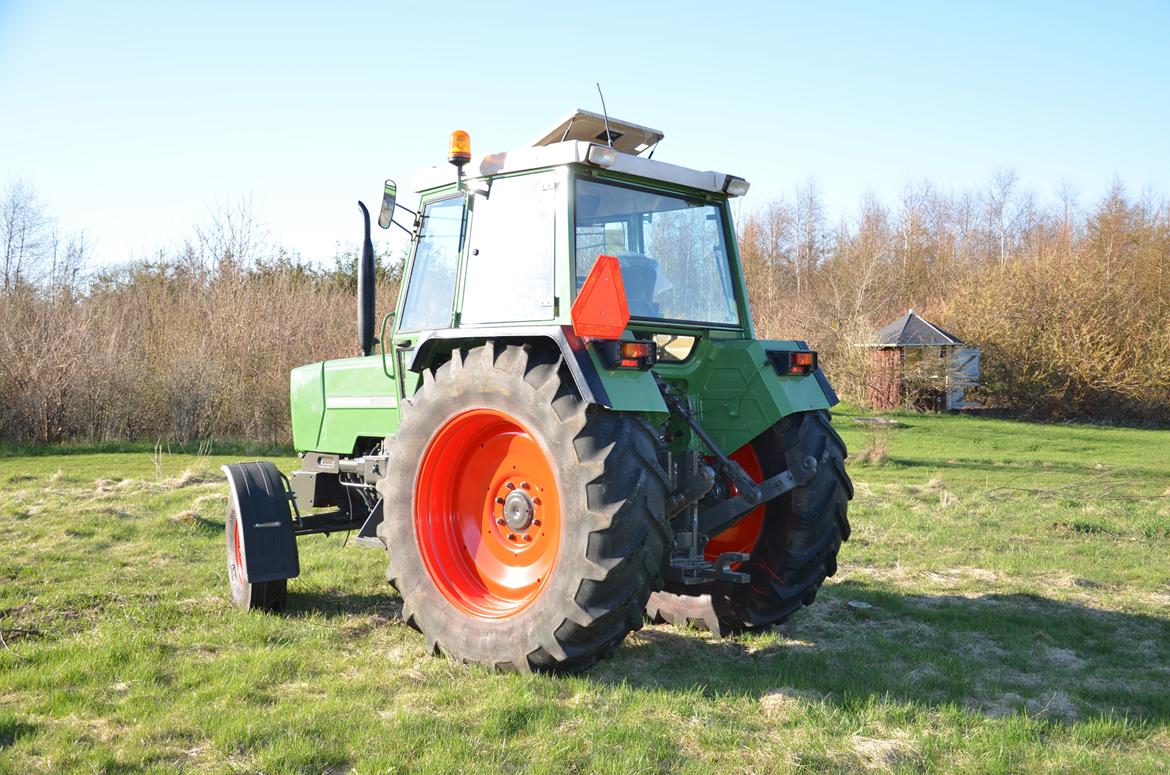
566, 423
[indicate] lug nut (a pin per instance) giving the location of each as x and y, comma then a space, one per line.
527, 538
510, 486
500, 521
536, 522
511, 536
500, 501
536, 501
525, 485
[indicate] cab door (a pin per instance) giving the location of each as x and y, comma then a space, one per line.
428, 301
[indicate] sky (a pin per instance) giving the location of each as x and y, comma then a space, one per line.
135, 120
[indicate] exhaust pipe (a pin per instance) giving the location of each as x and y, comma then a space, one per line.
365, 288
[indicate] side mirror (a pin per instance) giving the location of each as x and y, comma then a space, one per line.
389, 195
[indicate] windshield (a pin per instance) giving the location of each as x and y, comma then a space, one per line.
672, 251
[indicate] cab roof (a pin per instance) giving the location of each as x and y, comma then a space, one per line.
568, 142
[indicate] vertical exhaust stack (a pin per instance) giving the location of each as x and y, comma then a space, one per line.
365, 288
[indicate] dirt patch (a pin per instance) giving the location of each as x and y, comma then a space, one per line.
359, 628
1003, 705
877, 754
863, 490
102, 486
968, 573
982, 648
786, 701
10, 635
922, 674
1125, 685
1065, 658
106, 511
110, 487
933, 486
944, 579
1056, 705
189, 478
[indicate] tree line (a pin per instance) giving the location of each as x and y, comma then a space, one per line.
1068, 302
190, 344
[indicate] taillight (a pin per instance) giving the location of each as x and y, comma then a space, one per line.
615, 354
793, 362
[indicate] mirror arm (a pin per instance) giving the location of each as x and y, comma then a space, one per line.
399, 225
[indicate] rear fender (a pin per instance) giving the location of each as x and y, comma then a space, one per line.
620, 390
737, 392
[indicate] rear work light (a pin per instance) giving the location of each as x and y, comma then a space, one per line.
793, 362
736, 186
601, 156
637, 354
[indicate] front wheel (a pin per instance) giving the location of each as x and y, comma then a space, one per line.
792, 542
261, 595
525, 529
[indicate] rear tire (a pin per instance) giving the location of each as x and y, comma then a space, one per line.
797, 547
525, 528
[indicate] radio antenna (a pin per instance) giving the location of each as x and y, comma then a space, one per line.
605, 115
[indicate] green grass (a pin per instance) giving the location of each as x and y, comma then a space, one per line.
1018, 577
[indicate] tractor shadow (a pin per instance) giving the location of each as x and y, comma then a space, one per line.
995, 654
333, 603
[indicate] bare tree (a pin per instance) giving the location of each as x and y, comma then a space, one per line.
24, 235
810, 236
67, 260
233, 237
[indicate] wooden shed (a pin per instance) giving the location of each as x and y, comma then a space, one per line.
914, 362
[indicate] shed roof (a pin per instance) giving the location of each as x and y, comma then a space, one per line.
910, 330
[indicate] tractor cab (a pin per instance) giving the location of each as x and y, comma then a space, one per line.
510, 239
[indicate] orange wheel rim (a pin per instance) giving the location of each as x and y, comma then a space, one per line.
743, 535
487, 514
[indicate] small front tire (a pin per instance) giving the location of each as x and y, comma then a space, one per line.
261, 596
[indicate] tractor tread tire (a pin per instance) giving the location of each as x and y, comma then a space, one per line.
614, 533
797, 550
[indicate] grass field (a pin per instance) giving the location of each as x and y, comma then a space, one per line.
1003, 606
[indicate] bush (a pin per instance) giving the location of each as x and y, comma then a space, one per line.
1071, 311
155, 351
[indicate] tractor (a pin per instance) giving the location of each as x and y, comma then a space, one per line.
566, 424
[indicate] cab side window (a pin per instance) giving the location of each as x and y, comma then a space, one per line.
431, 292
510, 264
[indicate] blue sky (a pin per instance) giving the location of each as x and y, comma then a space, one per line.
133, 119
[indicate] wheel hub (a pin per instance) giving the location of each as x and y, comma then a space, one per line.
518, 510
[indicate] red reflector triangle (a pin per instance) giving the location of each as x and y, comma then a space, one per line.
600, 310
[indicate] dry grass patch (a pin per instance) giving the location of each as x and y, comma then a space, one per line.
882, 754
787, 702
